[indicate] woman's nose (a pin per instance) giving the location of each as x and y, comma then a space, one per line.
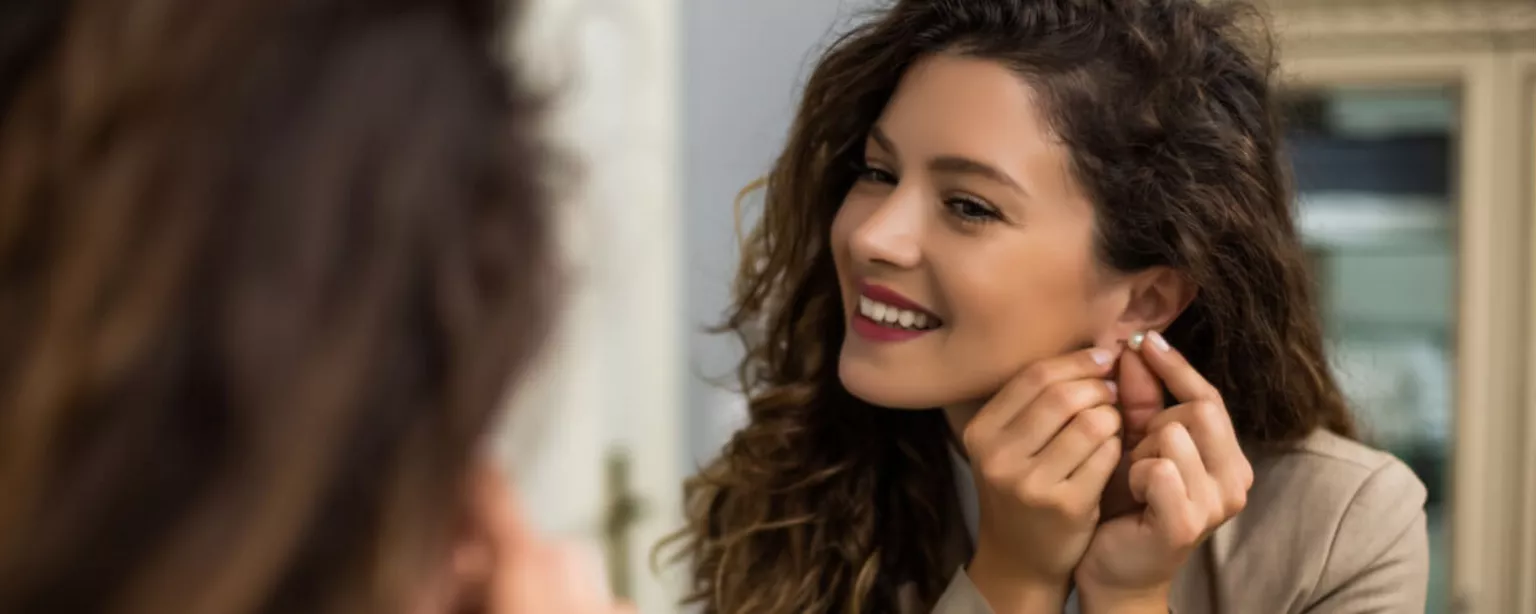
892, 234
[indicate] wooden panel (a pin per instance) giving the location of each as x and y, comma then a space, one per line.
1332, 27
1525, 565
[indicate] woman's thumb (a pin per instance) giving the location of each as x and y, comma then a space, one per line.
1141, 397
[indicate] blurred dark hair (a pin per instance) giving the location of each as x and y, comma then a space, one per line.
267, 271
825, 503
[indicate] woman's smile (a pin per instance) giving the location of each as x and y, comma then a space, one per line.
884, 315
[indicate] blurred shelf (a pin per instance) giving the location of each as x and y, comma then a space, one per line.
1350, 220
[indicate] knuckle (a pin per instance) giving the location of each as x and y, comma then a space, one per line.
996, 478
973, 439
1171, 434
1245, 478
1061, 506
1189, 529
993, 467
1038, 376
1235, 502
1030, 495
1075, 510
1058, 395
1098, 423
1209, 412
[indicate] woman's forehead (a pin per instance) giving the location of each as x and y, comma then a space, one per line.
950, 105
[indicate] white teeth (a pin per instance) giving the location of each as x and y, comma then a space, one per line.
892, 316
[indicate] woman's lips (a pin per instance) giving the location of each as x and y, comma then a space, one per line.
877, 331
883, 314
882, 294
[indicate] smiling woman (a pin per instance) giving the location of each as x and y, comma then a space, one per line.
938, 212
1027, 316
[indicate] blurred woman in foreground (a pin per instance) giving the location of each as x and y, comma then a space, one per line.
267, 270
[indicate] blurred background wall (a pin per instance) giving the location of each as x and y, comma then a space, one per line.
743, 62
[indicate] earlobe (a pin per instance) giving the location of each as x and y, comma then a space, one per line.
1148, 300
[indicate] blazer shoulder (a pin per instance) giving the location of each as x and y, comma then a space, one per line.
1321, 515
1331, 472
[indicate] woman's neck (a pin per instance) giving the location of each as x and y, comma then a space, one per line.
958, 416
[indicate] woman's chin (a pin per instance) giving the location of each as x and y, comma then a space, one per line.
889, 390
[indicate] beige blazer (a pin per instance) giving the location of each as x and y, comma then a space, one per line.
1333, 527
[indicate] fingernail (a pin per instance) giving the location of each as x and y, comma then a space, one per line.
1114, 388
1135, 341
1102, 356
1158, 341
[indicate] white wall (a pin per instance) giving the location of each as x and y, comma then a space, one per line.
611, 377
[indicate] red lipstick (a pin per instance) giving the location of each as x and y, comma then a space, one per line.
893, 298
880, 331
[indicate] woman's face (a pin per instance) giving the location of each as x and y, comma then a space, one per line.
964, 252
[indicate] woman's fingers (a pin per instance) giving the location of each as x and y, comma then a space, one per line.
1208, 423
1091, 476
1141, 396
1170, 512
1211, 428
1177, 374
1203, 491
1175, 444
1078, 441
1203, 414
1026, 389
1205, 502
1059, 411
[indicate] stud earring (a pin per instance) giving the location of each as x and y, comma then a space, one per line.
1135, 341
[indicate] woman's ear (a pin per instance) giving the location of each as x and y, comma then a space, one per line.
1156, 298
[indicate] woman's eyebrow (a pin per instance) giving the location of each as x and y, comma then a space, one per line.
950, 164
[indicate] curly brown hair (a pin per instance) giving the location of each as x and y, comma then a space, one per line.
267, 268
825, 503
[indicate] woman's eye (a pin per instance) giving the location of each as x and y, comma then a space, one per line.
970, 211
870, 173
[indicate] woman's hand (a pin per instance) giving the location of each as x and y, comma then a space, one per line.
1191, 475
1042, 450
